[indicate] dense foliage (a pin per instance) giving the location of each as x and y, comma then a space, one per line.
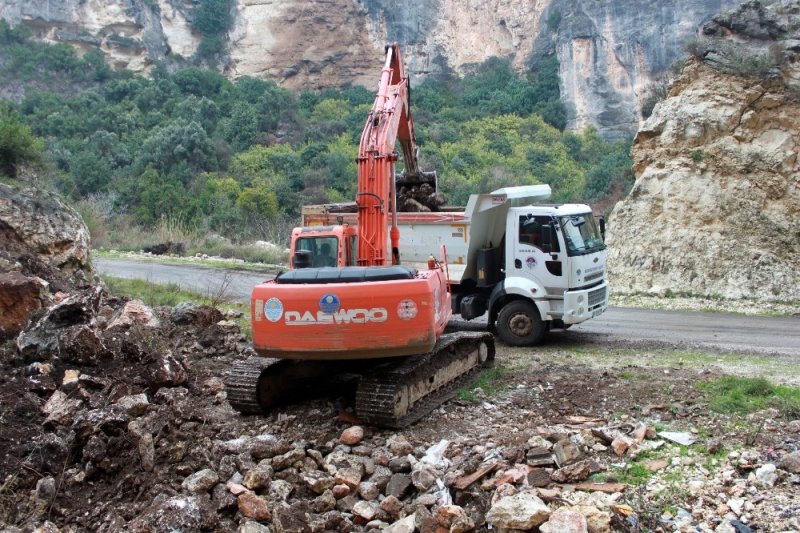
235, 156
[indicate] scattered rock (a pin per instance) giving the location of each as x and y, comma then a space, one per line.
454, 518
201, 481
620, 445
398, 486
352, 435
565, 520
766, 475
135, 405
520, 511
566, 452
791, 463
253, 506
573, 473
61, 409
366, 511
655, 465
134, 313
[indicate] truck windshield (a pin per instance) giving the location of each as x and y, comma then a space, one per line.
581, 234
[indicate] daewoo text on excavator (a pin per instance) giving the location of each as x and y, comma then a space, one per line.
369, 314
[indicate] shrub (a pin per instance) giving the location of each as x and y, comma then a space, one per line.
18, 145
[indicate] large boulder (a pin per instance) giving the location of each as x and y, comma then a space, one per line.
44, 248
39, 232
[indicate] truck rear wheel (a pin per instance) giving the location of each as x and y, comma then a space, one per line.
519, 324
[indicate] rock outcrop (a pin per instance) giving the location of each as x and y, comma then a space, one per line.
610, 51
715, 209
44, 249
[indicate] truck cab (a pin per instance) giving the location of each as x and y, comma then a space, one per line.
555, 255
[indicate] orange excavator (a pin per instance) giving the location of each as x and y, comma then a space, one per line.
367, 314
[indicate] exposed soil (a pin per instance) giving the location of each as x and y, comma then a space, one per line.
102, 483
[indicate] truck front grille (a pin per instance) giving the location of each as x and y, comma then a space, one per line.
597, 297
592, 277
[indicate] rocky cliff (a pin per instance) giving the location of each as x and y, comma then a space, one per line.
715, 209
610, 51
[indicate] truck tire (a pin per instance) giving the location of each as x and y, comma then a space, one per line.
519, 324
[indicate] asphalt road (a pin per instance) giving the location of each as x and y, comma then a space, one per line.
717, 331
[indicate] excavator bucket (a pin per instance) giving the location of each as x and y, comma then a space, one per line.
418, 192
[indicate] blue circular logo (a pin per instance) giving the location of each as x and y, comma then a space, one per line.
273, 309
329, 303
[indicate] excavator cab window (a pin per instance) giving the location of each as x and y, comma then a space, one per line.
324, 251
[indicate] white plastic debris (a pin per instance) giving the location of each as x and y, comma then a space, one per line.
682, 438
434, 455
442, 494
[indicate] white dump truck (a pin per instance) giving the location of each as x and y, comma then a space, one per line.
531, 266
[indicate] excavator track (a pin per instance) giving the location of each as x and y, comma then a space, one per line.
259, 383
397, 394
242, 383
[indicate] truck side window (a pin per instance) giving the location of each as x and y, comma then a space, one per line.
532, 231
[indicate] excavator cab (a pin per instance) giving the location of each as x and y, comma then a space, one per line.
323, 246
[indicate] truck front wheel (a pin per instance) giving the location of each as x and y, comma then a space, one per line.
519, 324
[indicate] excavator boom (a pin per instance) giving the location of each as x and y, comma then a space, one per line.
389, 120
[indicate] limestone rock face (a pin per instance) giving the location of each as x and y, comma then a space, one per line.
609, 50
715, 209
609, 53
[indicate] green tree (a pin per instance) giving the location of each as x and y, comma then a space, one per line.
18, 145
178, 143
212, 17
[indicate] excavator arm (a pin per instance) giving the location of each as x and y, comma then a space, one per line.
388, 120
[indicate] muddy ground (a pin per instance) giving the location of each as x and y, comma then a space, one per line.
96, 477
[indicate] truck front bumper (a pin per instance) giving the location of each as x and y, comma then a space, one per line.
581, 305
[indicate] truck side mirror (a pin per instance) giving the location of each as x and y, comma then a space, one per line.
603, 228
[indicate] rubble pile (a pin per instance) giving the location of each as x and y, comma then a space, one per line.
146, 442
114, 418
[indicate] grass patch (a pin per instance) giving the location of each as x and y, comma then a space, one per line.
733, 394
630, 474
153, 294
126, 236
171, 294
488, 382
227, 264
